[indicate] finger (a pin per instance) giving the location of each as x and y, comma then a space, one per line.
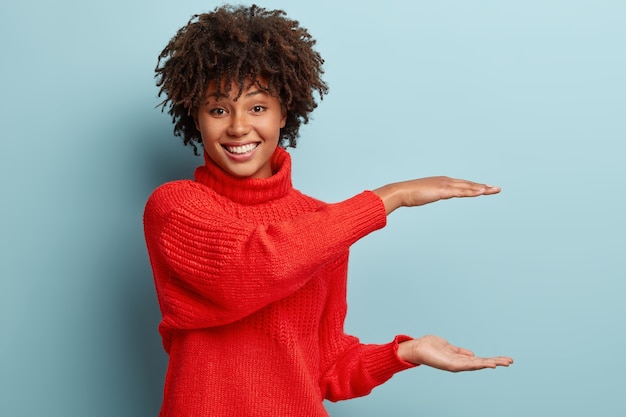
483, 189
464, 188
463, 351
491, 189
476, 186
497, 361
475, 363
504, 360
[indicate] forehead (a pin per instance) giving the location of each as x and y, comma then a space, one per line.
232, 89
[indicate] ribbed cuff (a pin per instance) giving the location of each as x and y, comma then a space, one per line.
360, 215
385, 362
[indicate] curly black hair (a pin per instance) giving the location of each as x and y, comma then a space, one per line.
233, 44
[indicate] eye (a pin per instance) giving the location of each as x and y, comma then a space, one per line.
258, 109
217, 111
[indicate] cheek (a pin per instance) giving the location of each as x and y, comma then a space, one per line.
207, 130
280, 123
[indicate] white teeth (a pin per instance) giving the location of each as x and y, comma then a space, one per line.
241, 149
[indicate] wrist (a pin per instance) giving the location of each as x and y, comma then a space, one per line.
406, 350
391, 195
402, 351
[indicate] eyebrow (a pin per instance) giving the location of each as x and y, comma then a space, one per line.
256, 92
250, 94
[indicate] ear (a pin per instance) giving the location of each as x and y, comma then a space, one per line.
283, 119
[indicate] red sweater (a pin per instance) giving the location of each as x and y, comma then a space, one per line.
251, 281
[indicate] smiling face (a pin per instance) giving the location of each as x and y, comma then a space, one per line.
240, 134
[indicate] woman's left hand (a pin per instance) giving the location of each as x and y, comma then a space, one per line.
436, 352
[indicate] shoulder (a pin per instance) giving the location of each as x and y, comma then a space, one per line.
171, 195
311, 202
174, 188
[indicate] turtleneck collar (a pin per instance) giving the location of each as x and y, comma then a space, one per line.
248, 190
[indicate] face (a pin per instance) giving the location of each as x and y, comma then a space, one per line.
241, 135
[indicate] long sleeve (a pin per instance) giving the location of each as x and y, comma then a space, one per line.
221, 268
349, 368
250, 276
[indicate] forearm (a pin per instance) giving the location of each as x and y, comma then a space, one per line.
361, 368
216, 262
391, 196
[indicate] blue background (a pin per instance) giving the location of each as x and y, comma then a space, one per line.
528, 95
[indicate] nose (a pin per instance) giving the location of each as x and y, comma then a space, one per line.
239, 125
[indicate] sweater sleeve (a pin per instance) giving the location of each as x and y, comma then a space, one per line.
220, 270
361, 368
349, 368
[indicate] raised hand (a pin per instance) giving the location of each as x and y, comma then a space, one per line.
428, 190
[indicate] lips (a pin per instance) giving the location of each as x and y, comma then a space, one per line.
241, 149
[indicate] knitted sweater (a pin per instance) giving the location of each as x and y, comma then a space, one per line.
251, 281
